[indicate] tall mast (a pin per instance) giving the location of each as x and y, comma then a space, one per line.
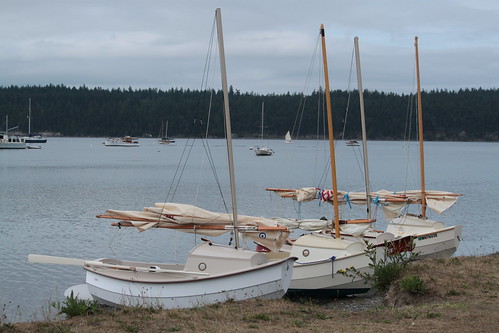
331, 136
225, 89
263, 106
363, 123
29, 116
421, 139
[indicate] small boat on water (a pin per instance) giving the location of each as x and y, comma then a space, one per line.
11, 141
164, 139
264, 150
287, 138
352, 143
125, 141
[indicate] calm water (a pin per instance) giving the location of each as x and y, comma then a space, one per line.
49, 199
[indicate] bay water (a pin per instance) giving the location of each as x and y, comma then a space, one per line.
49, 199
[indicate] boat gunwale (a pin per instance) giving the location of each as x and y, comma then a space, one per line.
194, 278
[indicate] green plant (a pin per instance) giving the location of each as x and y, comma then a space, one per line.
73, 306
385, 268
453, 292
413, 284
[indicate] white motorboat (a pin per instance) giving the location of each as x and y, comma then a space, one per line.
11, 141
125, 141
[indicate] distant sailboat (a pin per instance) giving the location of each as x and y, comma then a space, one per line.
164, 138
287, 138
263, 150
32, 137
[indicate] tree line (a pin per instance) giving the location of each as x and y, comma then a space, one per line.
464, 115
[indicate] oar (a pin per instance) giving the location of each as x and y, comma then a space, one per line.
43, 259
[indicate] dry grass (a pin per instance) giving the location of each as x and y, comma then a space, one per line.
462, 296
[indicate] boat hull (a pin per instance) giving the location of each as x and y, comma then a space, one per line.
323, 277
12, 145
264, 151
36, 140
431, 239
322, 258
169, 290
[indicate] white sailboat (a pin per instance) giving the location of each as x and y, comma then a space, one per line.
263, 150
321, 256
212, 273
164, 139
432, 238
32, 137
287, 137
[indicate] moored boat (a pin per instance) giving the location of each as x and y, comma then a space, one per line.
11, 141
125, 141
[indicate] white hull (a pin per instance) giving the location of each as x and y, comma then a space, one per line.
12, 145
263, 151
122, 144
432, 239
239, 276
322, 276
315, 270
125, 141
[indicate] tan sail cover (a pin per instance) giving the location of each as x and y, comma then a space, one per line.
392, 202
192, 219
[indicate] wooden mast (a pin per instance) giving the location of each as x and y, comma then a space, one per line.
421, 139
331, 136
363, 123
218, 15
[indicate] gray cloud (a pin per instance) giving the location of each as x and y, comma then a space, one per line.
269, 44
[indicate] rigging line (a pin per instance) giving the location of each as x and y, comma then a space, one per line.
408, 129
204, 81
349, 95
306, 87
179, 171
188, 147
211, 162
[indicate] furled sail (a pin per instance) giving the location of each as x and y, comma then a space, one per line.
192, 219
392, 203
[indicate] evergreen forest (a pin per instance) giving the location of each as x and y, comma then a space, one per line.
464, 115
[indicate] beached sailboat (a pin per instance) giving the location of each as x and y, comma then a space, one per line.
263, 150
432, 238
212, 273
320, 255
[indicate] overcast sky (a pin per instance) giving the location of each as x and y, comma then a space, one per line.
268, 43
